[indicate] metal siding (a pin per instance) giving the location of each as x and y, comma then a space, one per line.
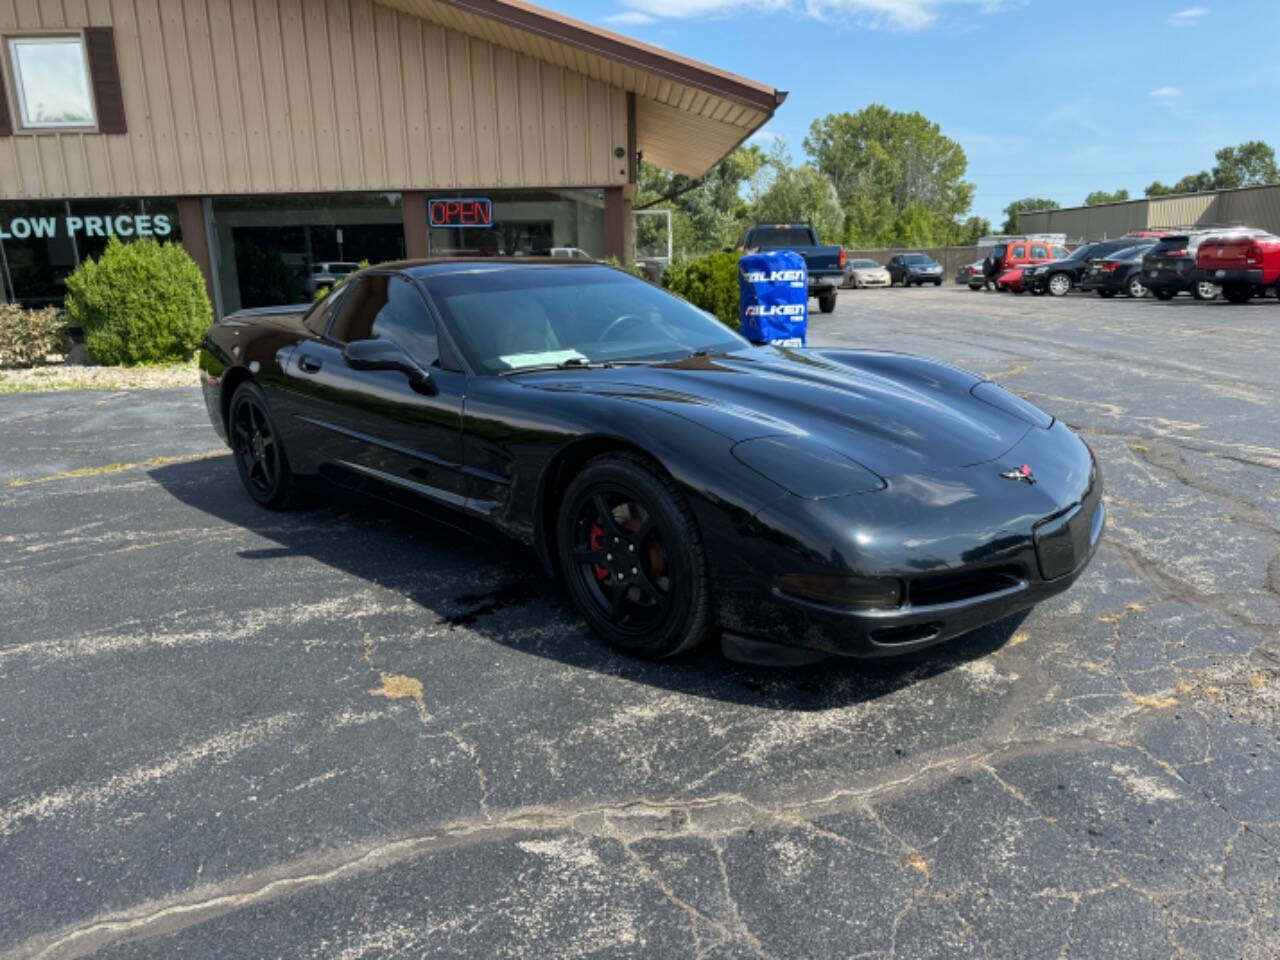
260, 96
1250, 206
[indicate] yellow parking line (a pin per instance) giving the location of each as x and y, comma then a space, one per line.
117, 468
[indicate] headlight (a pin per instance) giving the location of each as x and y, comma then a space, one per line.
806, 468
864, 593
1002, 399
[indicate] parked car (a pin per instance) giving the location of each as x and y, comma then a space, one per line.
329, 273
824, 263
1011, 280
1119, 272
1020, 252
865, 273
632, 486
570, 253
1169, 267
1245, 265
1057, 277
971, 274
909, 268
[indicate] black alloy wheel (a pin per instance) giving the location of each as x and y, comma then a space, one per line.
259, 453
632, 557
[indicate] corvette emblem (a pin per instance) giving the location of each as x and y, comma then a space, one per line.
1022, 473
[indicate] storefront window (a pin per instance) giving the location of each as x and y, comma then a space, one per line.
270, 251
42, 242
526, 223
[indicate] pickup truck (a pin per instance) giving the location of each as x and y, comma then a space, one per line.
1245, 266
825, 263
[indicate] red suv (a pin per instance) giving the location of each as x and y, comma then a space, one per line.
1245, 266
1020, 252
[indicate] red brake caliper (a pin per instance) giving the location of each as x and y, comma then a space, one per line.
597, 542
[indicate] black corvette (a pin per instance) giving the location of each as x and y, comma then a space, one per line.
683, 482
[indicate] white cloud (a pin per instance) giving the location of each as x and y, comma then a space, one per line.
629, 18
1165, 92
889, 14
1187, 17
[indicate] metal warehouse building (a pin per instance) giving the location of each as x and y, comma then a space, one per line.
282, 141
1251, 206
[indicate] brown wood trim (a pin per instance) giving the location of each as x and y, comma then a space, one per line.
195, 238
615, 227
104, 75
413, 208
632, 162
612, 46
6, 122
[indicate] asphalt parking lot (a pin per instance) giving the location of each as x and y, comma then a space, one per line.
341, 733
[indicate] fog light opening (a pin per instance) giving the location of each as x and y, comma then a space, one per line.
862, 593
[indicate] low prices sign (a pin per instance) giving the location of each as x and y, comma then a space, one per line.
460, 212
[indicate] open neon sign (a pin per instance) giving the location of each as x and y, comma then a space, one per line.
460, 212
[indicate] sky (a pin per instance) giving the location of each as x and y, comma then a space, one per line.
1048, 99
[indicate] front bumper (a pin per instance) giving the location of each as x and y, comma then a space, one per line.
932, 277
972, 564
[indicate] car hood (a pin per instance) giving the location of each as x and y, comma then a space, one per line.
891, 413
868, 271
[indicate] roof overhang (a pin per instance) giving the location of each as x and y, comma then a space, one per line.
688, 115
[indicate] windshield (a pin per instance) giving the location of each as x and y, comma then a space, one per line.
768, 237
915, 258
1081, 252
520, 318
865, 264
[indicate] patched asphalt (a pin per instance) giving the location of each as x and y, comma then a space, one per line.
341, 732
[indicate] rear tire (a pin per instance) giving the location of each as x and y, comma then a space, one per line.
258, 449
1204, 290
632, 557
1237, 293
1134, 288
827, 304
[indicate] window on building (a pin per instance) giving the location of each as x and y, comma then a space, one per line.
51, 81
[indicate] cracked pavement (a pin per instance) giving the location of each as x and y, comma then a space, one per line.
343, 733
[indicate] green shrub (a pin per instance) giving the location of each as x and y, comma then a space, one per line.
709, 282
631, 268
29, 338
140, 302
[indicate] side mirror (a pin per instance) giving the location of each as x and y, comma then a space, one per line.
387, 355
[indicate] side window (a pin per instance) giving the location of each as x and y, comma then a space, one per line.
1039, 252
404, 320
318, 319
1019, 252
1061, 253
354, 317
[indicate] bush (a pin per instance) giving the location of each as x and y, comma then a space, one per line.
29, 337
709, 282
140, 302
631, 268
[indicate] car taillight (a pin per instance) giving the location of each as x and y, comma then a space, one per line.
1254, 255
842, 258
1110, 266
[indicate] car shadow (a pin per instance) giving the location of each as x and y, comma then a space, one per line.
423, 560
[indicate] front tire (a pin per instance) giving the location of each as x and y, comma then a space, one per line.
1059, 285
937, 283
632, 557
827, 303
258, 449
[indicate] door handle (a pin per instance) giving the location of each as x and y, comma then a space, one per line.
308, 364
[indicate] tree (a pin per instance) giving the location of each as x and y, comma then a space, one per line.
711, 215
1251, 164
882, 162
1102, 196
785, 192
973, 230
1014, 211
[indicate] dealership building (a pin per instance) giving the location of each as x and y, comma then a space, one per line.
281, 141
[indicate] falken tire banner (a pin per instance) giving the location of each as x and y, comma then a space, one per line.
773, 293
